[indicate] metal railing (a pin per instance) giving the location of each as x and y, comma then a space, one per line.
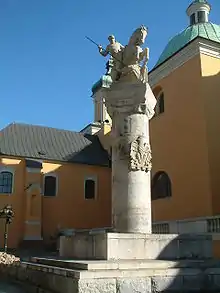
208, 224
160, 228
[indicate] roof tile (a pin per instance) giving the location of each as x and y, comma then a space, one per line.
38, 142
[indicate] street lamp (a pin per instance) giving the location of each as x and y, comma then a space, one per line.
7, 214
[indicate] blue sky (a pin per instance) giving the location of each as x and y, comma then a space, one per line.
47, 67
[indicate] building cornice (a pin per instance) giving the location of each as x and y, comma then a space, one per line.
196, 47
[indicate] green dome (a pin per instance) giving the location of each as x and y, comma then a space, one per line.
205, 30
105, 81
200, 1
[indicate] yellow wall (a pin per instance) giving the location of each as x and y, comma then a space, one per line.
68, 209
104, 135
179, 145
16, 199
211, 96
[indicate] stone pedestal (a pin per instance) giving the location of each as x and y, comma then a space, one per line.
131, 106
131, 246
133, 276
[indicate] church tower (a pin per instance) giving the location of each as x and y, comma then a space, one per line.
198, 12
100, 111
102, 120
184, 132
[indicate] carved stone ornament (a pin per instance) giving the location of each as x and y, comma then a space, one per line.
129, 98
123, 147
140, 155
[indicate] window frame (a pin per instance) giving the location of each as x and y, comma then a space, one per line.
54, 175
8, 170
193, 19
158, 106
93, 178
201, 13
169, 185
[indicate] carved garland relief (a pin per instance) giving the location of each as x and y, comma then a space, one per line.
138, 152
140, 155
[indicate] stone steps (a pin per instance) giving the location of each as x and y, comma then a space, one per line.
124, 264
71, 276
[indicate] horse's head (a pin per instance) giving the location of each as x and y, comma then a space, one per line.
139, 35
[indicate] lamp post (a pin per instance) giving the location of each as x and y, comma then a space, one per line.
7, 214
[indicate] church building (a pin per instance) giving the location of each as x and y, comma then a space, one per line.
57, 179
184, 131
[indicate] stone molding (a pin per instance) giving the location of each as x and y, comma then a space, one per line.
33, 238
197, 46
139, 99
33, 170
33, 222
33, 186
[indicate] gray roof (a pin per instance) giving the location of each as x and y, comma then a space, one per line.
45, 143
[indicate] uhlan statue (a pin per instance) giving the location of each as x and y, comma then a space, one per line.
129, 62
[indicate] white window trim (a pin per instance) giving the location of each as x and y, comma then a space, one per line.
94, 178
11, 170
51, 175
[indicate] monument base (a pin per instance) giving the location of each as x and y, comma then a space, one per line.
53, 275
130, 246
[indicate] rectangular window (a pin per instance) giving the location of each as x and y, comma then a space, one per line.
6, 180
193, 19
90, 189
201, 16
50, 186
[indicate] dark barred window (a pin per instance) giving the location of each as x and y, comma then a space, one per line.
160, 107
6, 179
90, 189
161, 103
161, 186
50, 186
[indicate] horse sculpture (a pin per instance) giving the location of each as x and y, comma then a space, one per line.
134, 58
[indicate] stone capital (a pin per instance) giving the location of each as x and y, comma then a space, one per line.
127, 97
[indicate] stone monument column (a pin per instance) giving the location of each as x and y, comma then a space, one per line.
131, 106
130, 103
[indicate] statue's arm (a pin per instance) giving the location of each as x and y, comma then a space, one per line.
147, 53
144, 55
103, 52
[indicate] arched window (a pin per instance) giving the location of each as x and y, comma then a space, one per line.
90, 189
50, 185
161, 186
160, 101
159, 94
6, 181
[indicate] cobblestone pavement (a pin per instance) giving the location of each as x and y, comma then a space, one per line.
6, 287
